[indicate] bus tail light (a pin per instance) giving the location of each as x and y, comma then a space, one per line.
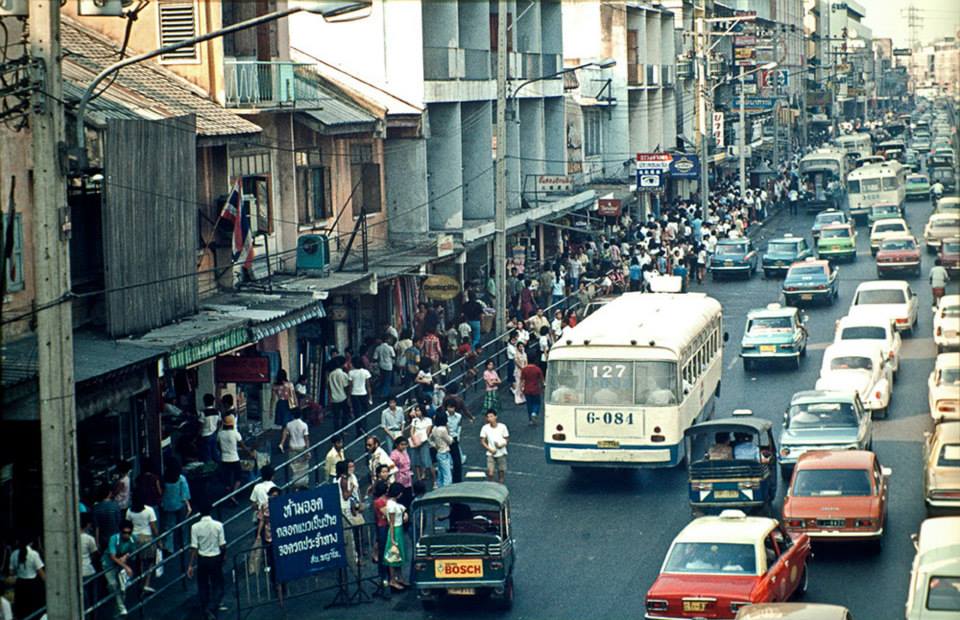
657, 438
559, 436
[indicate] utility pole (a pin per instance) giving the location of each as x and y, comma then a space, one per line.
776, 99
58, 424
700, 42
500, 206
742, 138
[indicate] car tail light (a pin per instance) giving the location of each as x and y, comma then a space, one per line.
784, 451
878, 395
939, 330
748, 485
945, 495
795, 523
901, 321
496, 565
863, 523
791, 288
890, 355
736, 606
420, 566
821, 286
946, 406
656, 604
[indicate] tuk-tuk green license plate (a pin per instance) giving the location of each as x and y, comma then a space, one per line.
458, 568
461, 591
726, 494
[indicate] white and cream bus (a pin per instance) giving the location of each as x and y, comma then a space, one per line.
623, 385
876, 184
856, 146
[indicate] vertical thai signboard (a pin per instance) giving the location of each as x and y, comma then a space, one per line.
307, 533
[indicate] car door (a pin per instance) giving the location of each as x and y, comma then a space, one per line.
880, 482
911, 305
865, 429
894, 340
785, 571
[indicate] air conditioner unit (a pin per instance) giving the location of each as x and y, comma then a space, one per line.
313, 253
14, 8
103, 8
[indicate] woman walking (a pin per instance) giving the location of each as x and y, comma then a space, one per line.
144, 521
27, 567
519, 363
404, 475
441, 440
174, 505
283, 399
491, 381
394, 552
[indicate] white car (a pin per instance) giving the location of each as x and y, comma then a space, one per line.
943, 388
894, 227
868, 326
894, 298
939, 227
946, 323
934, 592
862, 367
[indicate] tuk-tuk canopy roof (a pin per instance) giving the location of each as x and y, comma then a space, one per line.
466, 491
731, 425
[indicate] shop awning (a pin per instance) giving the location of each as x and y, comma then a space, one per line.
196, 338
269, 314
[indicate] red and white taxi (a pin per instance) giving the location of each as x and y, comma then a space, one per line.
717, 565
837, 495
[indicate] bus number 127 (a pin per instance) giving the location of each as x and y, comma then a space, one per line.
609, 371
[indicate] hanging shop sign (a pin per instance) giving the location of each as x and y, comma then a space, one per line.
685, 166
718, 129
445, 245
241, 369
307, 533
554, 183
440, 287
609, 207
207, 348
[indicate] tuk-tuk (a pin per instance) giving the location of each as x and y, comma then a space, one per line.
463, 543
731, 463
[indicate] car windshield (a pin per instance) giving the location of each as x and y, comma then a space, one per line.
916, 178
949, 455
880, 296
831, 482
946, 223
822, 415
851, 362
769, 323
950, 376
898, 244
724, 558
806, 270
889, 226
950, 310
829, 218
783, 247
952, 247
863, 332
733, 249
836, 233
943, 593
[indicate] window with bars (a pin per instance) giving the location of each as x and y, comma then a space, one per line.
592, 132
364, 179
177, 21
14, 271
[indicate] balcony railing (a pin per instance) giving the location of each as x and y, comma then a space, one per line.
263, 84
636, 75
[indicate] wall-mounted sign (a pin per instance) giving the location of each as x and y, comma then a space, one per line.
241, 369
685, 166
445, 245
658, 161
307, 533
554, 183
441, 287
718, 128
609, 207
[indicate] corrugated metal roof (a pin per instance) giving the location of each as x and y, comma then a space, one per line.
335, 110
145, 89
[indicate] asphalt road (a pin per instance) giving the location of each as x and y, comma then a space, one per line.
589, 545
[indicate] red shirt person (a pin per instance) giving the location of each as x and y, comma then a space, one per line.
531, 380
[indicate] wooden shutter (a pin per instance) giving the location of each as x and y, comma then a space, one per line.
178, 22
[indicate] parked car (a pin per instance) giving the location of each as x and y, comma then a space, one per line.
946, 323
837, 495
918, 186
898, 254
718, 565
940, 226
895, 298
874, 327
809, 281
783, 252
934, 591
949, 255
943, 388
887, 228
859, 365
733, 257
941, 468
823, 420
825, 218
883, 212
773, 333
794, 611
837, 241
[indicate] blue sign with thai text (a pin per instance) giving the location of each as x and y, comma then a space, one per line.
650, 179
685, 166
307, 531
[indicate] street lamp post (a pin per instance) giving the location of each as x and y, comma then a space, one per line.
506, 96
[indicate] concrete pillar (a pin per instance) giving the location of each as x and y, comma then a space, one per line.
531, 143
440, 24
445, 167
477, 156
474, 24
405, 181
555, 136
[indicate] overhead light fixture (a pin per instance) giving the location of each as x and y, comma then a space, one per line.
102, 8
14, 8
606, 63
333, 10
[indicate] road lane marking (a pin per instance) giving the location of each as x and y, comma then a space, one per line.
918, 349
514, 472
525, 445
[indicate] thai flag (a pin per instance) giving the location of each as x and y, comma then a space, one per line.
236, 211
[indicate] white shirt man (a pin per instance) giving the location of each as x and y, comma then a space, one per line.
385, 355
297, 433
229, 439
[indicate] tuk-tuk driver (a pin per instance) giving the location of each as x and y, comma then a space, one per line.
721, 449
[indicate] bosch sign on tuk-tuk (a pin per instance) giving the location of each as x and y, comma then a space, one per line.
463, 544
731, 464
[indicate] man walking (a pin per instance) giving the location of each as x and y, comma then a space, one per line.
385, 355
337, 382
494, 437
296, 436
208, 548
531, 379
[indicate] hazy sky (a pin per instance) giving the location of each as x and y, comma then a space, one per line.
940, 18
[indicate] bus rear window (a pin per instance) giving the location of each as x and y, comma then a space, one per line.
616, 382
890, 183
